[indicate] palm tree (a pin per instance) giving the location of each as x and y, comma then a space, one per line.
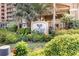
39, 9
66, 19
29, 11
24, 11
18, 18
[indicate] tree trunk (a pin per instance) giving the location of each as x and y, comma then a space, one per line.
17, 22
66, 25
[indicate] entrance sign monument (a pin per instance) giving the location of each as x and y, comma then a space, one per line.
40, 26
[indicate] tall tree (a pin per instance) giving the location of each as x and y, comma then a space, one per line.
29, 11
24, 11
66, 19
39, 8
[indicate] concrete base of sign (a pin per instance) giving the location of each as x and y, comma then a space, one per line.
5, 50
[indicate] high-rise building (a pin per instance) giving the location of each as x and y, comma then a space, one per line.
7, 12
74, 10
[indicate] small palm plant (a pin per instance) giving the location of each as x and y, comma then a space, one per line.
66, 19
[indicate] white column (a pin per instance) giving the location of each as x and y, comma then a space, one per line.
54, 13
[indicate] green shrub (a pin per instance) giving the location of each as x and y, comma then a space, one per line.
11, 38
23, 34
77, 54
30, 37
38, 37
33, 37
70, 31
2, 37
7, 36
63, 45
66, 19
74, 24
39, 52
21, 49
12, 28
70, 22
22, 37
23, 31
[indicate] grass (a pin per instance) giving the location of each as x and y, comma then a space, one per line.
31, 45
36, 45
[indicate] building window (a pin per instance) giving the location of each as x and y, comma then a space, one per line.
9, 12
8, 4
2, 6
2, 13
2, 10
9, 16
8, 8
2, 17
2, 3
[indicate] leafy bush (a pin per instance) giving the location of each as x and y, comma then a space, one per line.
66, 19
74, 24
63, 45
77, 54
39, 52
2, 37
7, 36
11, 26
70, 31
11, 38
22, 37
38, 37
30, 37
24, 31
21, 49
70, 22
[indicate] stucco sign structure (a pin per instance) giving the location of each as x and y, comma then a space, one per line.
40, 26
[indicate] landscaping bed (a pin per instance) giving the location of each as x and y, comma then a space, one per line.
62, 43
32, 45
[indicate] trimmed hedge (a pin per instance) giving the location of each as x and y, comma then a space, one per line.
63, 45
70, 31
